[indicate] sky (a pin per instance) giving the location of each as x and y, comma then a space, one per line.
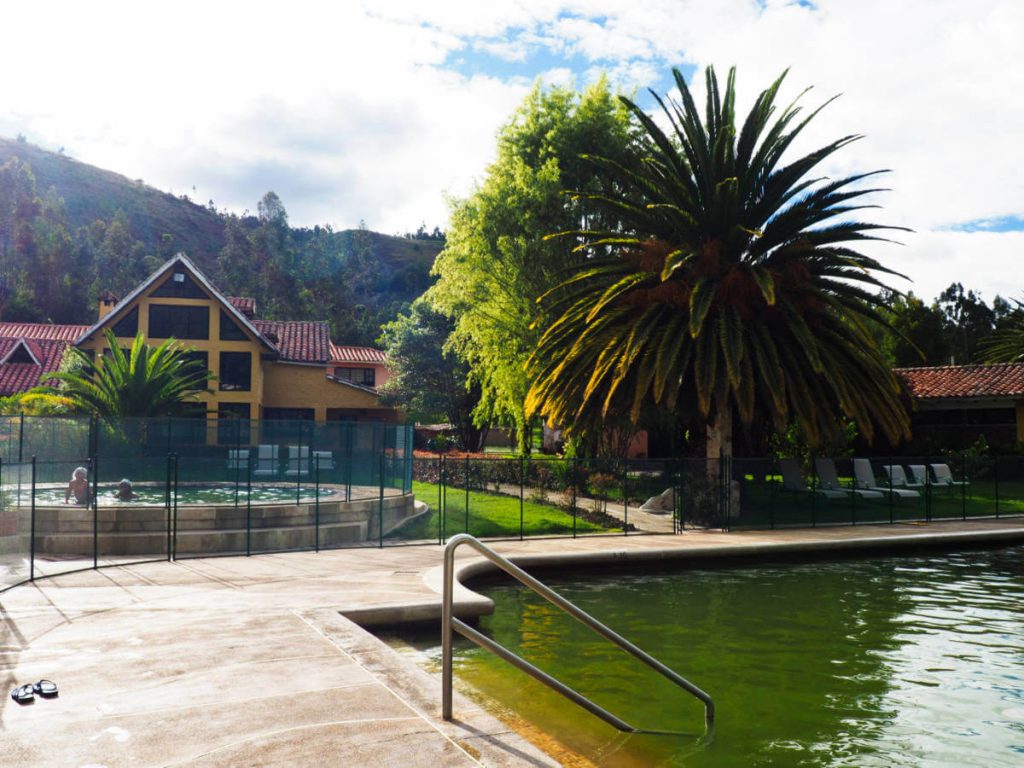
382, 112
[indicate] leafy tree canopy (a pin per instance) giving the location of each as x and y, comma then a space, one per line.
429, 382
496, 261
147, 381
727, 283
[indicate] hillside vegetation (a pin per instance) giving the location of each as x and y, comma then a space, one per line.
69, 231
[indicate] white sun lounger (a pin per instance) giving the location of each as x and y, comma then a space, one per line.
864, 476
266, 461
792, 480
920, 474
944, 478
298, 461
898, 477
826, 469
238, 458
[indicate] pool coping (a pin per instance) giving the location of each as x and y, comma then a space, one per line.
468, 603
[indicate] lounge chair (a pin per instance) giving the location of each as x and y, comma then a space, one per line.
266, 461
826, 469
920, 474
864, 477
323, 460
298, 460
944, 478
898, 477
238, 458
792, 480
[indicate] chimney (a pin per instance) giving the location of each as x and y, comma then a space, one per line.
107, 302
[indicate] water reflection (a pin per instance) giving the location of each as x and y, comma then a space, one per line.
891, 661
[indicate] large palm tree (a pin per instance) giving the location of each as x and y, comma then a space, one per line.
147, 381
728, 286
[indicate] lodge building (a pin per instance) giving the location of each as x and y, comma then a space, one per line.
263, 369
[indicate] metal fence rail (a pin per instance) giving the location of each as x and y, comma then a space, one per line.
449, 623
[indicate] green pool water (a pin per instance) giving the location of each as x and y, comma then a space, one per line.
914, 660
188, 495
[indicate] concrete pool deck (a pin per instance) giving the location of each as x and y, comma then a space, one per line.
260, 661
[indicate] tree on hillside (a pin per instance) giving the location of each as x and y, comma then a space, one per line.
426, 381
147, 381
1006, 344
496, 261
729, 284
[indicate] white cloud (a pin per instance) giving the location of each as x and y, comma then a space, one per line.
355, 110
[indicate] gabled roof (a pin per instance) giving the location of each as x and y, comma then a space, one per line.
20, 344
180, 260
964, 381
343, 354
18, 377
302, 341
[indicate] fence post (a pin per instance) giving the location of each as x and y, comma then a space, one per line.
248, 507
853, 500
995, 479
316, 480
349, 438
814, 497
466, 478
167, 504
625, 497
380, 513
927, 493
94, 464
522, 489
572, 484
771, 492
21, 437
963, 487
444, 496
174, 511
32, 527
440, 501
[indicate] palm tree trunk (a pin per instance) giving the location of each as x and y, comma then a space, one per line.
718, 452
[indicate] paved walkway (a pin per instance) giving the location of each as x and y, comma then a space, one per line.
256, 661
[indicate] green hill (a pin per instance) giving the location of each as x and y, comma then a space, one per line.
113, 230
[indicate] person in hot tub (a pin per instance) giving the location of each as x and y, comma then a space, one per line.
78, 486
124, 491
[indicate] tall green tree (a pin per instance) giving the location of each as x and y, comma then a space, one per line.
427, 381
147, 381
729, 284
497, 262
1006, 344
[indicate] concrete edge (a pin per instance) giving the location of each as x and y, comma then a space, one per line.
471, 604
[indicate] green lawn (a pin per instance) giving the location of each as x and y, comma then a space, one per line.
765, 504
490, 515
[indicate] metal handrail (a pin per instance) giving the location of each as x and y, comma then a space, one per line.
449, 622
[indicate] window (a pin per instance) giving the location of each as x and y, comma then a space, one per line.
232, 423
363, 376
128, 325
203, 358
179, 285
229, 330
167, 320
235, 371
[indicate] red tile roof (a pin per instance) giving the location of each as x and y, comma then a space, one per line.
341, 354
41, 331
244, 304
961, 381
18, 377
304, 341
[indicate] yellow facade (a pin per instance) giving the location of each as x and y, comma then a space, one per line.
274, 383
